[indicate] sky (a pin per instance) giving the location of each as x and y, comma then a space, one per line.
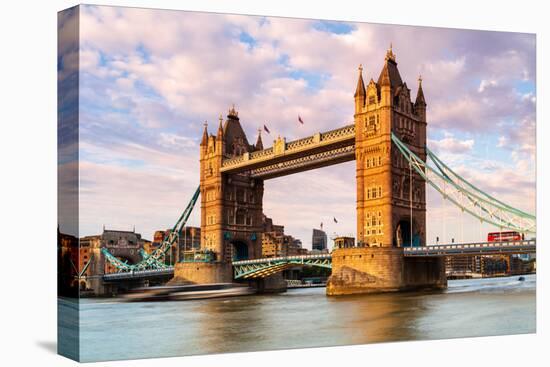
149, 79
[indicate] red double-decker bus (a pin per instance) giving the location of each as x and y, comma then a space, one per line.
504, 236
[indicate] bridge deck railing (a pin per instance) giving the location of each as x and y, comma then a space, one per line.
138, 273
481, 248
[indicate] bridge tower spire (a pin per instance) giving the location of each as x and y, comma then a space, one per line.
360, 92
420, 103
204, 140
259, 144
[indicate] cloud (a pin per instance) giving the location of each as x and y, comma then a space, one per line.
485, 84
449, 144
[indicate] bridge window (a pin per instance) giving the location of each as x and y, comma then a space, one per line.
241, 197
368, 163
406, 188
368, 194
210, 195
371, 100
379, 161
240, 217
379, 191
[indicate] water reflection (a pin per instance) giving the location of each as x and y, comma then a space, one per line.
305, 318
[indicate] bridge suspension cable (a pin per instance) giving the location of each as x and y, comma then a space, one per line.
465, 195
154, 260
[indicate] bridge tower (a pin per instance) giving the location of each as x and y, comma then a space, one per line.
386, 215
391, 197
231, 205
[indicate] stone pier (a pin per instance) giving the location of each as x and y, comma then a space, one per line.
382, 269
202, 273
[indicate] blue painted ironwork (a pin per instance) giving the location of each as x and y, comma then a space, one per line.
259, 268
465, 195
153, 261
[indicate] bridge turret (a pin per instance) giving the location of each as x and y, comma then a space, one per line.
204, 140
389, 79
220, 143
420, 103
360, 93
259, 145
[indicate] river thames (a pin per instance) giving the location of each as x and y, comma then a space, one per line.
303, 318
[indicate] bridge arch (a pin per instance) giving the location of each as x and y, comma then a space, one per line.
402, 233
240, 250
123, 258
264, 267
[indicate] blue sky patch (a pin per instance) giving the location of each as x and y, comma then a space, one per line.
333, 27
143, 53
314, 81
248, 40
525, 86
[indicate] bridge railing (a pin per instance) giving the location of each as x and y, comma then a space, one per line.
139, 273
261, 153
473, 248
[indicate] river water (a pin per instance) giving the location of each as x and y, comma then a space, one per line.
304, 318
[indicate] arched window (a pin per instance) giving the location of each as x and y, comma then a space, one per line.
240, 217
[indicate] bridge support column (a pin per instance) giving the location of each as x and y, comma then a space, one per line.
202, 273
382, 269
99, 287
271, 284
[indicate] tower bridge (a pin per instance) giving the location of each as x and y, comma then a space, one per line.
387, 140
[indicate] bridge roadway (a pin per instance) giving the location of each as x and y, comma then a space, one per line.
258, 268
481, 248
139, 274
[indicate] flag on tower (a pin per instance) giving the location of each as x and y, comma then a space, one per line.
266, 130
300, 120
335, 221
321, 225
